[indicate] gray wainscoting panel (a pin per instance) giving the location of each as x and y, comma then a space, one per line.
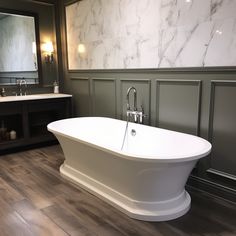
222, 128
178, 105
143, 88
190, 103
81, 93
103, 94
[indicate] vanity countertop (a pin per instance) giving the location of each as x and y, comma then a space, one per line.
34, 97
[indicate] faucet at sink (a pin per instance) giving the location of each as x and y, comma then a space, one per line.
19, 83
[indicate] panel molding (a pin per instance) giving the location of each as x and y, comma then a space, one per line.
50, 3
83, 79
221, 173
198, 83
148, 81
214, 83
79, 78
214, 188
92, 91
86, 79
196, 70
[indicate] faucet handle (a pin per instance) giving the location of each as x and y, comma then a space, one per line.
142, 115
142, 110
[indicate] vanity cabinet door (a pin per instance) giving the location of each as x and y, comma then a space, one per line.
8, 108
11, 124
29, 119
43, 112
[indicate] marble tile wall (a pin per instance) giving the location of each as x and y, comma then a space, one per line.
118, 34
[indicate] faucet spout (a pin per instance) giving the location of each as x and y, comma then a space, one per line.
134, 113
135, 98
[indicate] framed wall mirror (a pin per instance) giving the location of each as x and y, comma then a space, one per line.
19, 47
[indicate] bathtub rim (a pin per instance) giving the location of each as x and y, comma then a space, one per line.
130, 156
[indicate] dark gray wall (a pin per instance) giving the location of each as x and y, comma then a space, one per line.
46, 11
196, 101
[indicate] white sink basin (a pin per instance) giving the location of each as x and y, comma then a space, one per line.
33, 97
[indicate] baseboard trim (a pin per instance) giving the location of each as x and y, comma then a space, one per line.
212, 188
27, 147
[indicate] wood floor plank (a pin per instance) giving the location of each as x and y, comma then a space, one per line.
11, 222
13, 225
110, 215
9, 193
39, 223
91, 220
36, 200
67, 221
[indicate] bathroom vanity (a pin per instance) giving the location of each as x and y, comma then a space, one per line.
24, 119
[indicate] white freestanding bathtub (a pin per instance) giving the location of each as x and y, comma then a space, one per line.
146, 179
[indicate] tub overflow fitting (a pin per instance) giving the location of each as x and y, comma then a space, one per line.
133, 132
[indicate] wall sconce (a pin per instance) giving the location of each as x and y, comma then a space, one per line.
48, 52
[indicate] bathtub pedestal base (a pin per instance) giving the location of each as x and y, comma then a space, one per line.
148, 211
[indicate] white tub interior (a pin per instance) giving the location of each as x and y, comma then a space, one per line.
149, 142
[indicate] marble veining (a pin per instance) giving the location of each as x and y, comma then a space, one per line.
119, 34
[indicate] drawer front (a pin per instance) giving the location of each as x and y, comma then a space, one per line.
8, 108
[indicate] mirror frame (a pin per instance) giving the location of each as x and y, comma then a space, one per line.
37, 39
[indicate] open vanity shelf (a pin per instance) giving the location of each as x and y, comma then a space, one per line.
28, 116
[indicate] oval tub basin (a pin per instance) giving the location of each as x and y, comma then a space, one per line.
145, 178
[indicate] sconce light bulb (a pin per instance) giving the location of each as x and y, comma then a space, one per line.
81, 48
48, 47
48, 50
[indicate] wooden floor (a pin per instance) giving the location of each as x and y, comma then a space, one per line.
35, 200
